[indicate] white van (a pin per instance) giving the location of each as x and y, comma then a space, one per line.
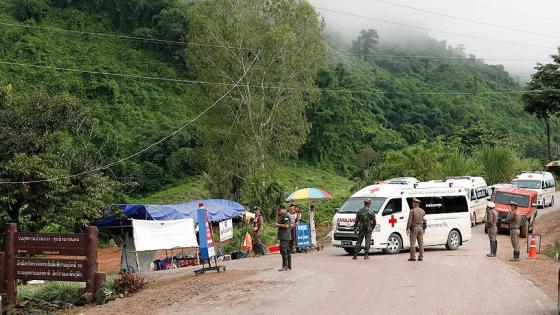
447, 214
477, 191
541, 182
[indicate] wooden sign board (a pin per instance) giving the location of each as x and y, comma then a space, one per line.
51, 269
71, 244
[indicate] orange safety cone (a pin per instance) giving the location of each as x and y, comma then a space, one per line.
248, 242
533, 248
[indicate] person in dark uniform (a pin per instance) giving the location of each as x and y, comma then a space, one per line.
363, 226
492, 228
284, 236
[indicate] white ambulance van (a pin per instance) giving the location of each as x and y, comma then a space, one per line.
477, 192
447, 214
541, 182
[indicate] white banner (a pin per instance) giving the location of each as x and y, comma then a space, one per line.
153, 235
226, 230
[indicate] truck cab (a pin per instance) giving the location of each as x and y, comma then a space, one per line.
527, 207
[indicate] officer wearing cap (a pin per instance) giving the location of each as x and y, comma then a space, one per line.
284, 236
514, 220
363, 226
415, 227
492, 228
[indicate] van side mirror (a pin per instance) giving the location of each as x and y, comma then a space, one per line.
534, 205
489, 198
336, 209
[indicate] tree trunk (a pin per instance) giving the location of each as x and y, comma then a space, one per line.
549, 156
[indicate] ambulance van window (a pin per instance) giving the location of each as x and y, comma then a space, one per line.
393, 206
431, 205
454, 204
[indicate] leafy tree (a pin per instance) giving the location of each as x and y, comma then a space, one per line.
365, 44
543, 98
475, 136
31, 9
254, 125
47, 138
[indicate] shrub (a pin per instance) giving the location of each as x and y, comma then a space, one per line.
554, 250
129, 283
53, 291
31, 9
107, 292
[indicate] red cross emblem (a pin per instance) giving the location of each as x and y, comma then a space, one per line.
374, 189
392, 220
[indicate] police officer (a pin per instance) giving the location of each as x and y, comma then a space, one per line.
284, 236
514, 220
363, 226
415, 227
492, 228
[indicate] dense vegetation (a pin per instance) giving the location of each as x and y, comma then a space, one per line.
365, 114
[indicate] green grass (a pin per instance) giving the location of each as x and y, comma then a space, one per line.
191, 188
554, 250
53, 291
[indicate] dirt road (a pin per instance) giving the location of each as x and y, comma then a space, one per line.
464, 281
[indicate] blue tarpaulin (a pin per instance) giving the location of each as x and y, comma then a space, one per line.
218, 210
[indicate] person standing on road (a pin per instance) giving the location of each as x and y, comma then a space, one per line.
492, 228
415, 227
258, 228
363, 226
514, 220
284, 236
295, 216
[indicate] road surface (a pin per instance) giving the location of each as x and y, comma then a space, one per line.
463, 281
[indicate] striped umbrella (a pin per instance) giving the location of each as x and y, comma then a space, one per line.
309, 194
553, 163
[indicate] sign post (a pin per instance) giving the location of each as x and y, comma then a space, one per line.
206, 242
303, 236
83, 269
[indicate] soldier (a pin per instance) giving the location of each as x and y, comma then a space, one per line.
415, 227
284, 236
492, 228
363, 226
514, 220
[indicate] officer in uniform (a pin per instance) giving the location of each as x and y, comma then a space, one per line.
492, 228
363, 226
415, 227
514, 220
284, 236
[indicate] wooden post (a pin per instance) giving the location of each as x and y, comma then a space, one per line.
2, 273
99, 281
91, 259
10, 263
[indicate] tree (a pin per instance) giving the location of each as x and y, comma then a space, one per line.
47, 138
263, 119
365, 44
543, 97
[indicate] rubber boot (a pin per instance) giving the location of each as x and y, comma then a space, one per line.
495, 248
491, 249
366, 255
515, 256
284, 264
290, 262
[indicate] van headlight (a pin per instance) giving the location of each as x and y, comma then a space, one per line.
377, 228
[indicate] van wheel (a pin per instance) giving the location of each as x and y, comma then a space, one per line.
453, 240
524, 230
485, 229
349, 250
552, 201
473, 222
394, 244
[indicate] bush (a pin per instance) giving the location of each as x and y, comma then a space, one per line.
53, 291
129, 283
32, 9
554, 250
107, 292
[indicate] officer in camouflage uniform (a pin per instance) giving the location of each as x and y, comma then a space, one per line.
492, 228
415, 227
284, 236
363, 226
514, 220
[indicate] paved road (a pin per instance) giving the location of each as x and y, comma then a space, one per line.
463, 281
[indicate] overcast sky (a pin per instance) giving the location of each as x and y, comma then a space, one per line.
536, 16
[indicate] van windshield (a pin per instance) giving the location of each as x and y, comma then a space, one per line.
505, 198
531, 184
353, 205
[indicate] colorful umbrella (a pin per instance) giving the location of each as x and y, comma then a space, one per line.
309, 194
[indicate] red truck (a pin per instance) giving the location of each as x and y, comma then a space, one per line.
527, 206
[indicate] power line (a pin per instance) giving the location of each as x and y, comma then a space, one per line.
506, 10
106, 166
266, 87
467, 19
435, 30
335, 53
